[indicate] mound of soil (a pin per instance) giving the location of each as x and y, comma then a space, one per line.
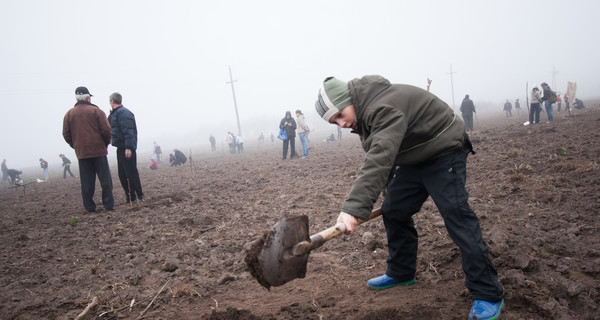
181, 253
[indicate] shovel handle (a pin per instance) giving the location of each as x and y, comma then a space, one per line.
318, 239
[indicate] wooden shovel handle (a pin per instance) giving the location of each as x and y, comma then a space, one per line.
318, 239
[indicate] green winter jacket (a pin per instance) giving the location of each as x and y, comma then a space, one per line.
398, 125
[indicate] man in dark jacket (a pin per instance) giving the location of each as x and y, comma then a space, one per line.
86, 129
124, 138
548, 97
467, 108
288, 124
416, 145
179, 158
508, 109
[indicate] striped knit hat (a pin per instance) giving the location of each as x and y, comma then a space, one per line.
334, 96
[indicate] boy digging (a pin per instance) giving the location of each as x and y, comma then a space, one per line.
417, 147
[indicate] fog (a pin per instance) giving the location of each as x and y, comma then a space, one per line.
170, 60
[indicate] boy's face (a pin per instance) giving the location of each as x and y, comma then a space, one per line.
346, 118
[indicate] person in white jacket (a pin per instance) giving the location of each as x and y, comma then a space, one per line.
302, 130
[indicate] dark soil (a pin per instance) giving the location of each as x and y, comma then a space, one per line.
534, 188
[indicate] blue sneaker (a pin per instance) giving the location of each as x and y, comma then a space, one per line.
385, 281
485, 310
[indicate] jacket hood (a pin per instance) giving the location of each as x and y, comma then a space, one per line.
366, 89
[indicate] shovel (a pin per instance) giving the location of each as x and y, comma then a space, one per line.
281, 254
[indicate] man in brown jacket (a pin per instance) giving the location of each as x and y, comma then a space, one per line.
86, 129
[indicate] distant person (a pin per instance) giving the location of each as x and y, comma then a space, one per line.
179, 158
548, 97
578, 104
303, 131
124, 138
86, 129
171, 159
157, 152
535, 107
66, 165
416, 148
508, 109
272, 137
559, 102
153, 164
230, 140
289, 125
518, 107
213, 142
239, 142
339, 132
467, 108
4, 170
14, 176
44, 166
261, 138
567, 104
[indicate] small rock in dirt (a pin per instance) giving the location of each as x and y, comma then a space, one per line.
378, 254
325, 302
531, 284
550, 304
225, 279
574, 289
169, 267
521, 260
186, 222
498, 237
514, 277
439, 224
370, 242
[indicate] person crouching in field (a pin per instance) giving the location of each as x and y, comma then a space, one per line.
429, 159
153, 164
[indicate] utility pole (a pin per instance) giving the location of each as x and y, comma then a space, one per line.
231, 81
452, 84
554, 73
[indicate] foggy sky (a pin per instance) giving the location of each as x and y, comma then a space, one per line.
170, 60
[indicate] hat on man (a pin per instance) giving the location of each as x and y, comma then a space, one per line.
333, 96
82, 90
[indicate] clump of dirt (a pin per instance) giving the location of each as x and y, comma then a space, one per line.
252, 260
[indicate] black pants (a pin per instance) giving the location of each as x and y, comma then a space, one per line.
534, 113
444, 180
88, 169
67, 168
128, 175
292, 143
468, 117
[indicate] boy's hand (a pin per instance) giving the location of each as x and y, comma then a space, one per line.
349, 221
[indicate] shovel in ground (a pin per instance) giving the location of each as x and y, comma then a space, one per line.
281, 255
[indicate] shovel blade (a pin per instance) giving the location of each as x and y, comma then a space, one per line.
275, 264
